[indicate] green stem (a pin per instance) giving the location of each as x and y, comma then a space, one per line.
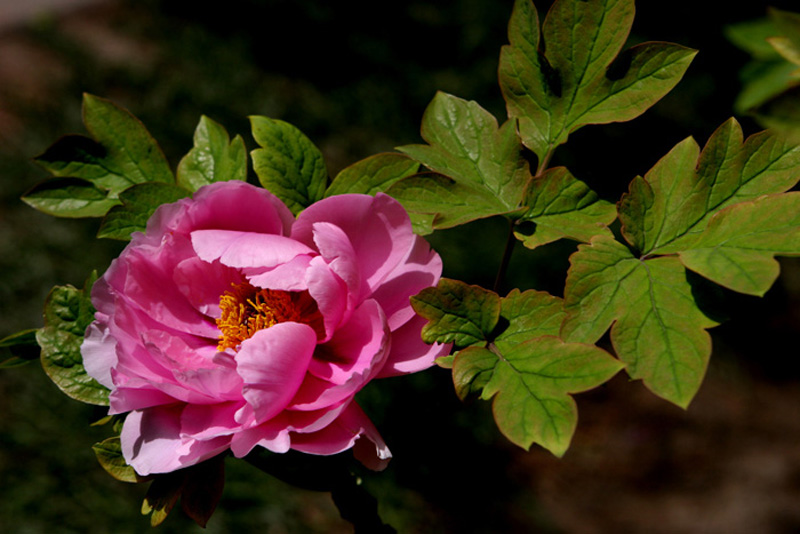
501, 272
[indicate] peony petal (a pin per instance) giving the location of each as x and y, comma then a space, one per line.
237, 206
272, 435
246, 249
343, 366
409, 353
203, 283
289, 276
99, 353
378, 228
351, 429
420, 269
336, 249
151, 442
330, 294
272, 364
200, 421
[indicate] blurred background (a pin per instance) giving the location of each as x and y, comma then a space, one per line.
356, 79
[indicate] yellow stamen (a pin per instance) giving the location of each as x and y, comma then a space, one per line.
246, 309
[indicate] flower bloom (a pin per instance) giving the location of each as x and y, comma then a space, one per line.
229, 324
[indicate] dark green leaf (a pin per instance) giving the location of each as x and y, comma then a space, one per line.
214, 157
288, 164
67, 313
19, 349
373, 174
561, 206
69, 197
579, 79
457, 313
138, 204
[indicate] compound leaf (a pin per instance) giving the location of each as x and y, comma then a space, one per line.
658, 330
577, 76
482, 169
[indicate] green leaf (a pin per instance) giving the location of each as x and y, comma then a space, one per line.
373, 174
581, 78
665, 211
529, 314
483, 172
751, 36
214, 158
531, 383
561, 206
437, 202
781, 113
67, 313
658, 330
69, 197
457, 313
19, 349
120, 153
109, 454
738, 246
138, 204
289, 165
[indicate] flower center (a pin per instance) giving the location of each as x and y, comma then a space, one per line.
246, 309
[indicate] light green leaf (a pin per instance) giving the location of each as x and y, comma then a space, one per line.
738, 246
214, 158
19, 349
658, 330
457, 313
67, 313
483, 172
579, 79
665, 211
782, 113
288, 164
561, 206
531, 383
69, 197
162, 495
373, 174
528, 314
138, 204
109, 454
751, 36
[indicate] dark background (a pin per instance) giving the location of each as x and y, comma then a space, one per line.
356, 77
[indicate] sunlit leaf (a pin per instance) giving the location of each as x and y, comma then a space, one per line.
109, 454
561, 206
288, 164
69, 197
214, 157
577, 76
373, 174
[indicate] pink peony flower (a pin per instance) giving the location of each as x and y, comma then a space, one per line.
228, 324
